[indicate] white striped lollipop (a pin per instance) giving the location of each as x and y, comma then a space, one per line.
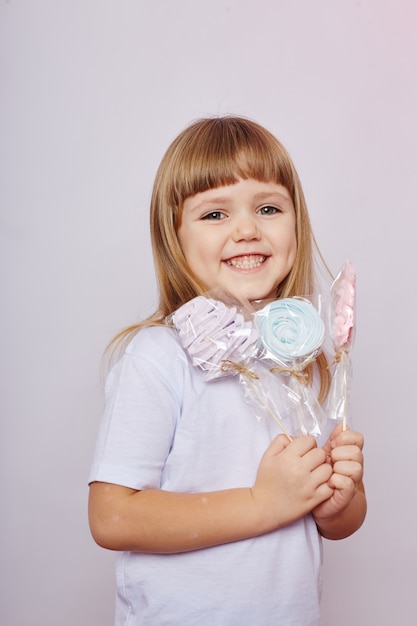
212, 332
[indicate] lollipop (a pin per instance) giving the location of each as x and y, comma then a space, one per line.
291, 334
212, 333
342, 327
343, 307
290, 329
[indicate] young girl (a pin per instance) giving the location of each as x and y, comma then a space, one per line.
217, 516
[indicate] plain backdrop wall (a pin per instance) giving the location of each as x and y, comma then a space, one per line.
91, 94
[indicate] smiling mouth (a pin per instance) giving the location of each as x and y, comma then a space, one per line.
246, 262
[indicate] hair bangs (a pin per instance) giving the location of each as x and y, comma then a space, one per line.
218, 151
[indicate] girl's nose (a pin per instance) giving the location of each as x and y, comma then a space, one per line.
246, 229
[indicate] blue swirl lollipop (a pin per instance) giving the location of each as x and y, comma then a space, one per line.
290, 329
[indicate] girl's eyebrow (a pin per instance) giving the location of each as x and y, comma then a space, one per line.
206, 204
272, 194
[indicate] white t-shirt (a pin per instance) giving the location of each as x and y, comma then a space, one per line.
165, 427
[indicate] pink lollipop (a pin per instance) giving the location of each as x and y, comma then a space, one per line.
212, 332
343, 307
342, 327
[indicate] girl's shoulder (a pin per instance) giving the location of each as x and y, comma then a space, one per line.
155, 343
153, 352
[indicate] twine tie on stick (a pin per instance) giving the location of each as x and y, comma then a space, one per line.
230, 366
300, 376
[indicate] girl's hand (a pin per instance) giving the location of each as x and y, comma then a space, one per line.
344, 452
293, 478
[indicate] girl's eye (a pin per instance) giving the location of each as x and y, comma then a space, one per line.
269, 210
214, 215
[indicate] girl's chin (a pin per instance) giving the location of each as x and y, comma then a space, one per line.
243, 295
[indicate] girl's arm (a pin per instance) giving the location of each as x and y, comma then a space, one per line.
344, 512
292, 480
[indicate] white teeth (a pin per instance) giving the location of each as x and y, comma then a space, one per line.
246, 262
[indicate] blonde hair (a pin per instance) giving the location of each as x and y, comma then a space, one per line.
210, 153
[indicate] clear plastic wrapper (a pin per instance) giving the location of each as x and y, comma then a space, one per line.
291, 405
342, 331
268, 346
292, 333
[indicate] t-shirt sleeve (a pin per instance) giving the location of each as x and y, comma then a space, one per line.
142, 407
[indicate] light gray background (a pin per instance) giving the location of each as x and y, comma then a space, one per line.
92, 92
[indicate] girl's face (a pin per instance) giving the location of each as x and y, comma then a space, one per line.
240, 237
